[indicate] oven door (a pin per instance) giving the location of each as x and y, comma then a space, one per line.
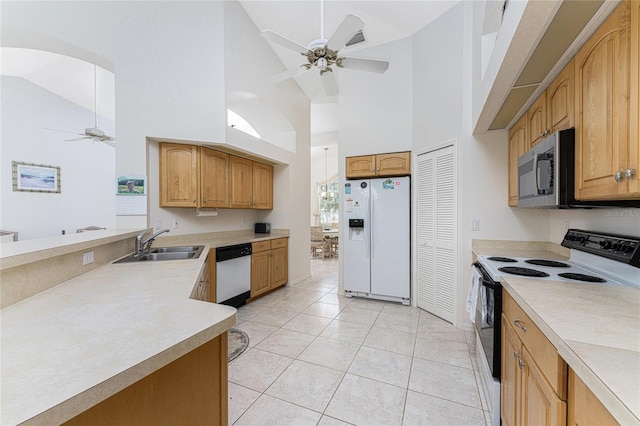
487, 324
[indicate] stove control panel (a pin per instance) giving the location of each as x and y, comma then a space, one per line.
622, 248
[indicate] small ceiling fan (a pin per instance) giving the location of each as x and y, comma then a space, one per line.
324, 53
93, 133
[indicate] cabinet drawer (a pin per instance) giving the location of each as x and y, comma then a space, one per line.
280, 242
260, 246
542, 350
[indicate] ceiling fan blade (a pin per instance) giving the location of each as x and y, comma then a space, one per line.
63, 131
347, 29
282, 41
329, 82
77, 139
294, 72
108, 142
370, 65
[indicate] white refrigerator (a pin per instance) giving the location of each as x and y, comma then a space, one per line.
377, 238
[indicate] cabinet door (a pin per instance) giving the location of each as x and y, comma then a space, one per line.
540, 405
178, 175
363, 166
260, 272
241, 182
262, 186
396, 164
584, 408
510, 393
214, 178
517, 146
634, 141
279, 267
537, 120
560, 100
602, 108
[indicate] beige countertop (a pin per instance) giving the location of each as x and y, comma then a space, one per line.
596, 329
76, 344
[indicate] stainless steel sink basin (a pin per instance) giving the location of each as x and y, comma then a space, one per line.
165, 253
176, 249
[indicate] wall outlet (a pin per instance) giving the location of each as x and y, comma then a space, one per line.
475, 224
567, 225
158, 223
87, 258
175, 223
244, 220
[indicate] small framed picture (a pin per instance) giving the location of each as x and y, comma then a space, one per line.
131, 185
29, 177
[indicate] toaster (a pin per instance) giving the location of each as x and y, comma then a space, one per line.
262, 228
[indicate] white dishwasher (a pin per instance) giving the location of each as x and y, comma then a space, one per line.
233, 274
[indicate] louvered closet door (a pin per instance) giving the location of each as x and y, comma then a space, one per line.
436, 219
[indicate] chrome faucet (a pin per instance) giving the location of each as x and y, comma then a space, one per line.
142, 245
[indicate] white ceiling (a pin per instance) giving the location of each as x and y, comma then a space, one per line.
385, 21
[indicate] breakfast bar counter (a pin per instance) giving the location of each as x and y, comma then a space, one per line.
74, 345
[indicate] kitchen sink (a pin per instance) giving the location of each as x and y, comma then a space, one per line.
165, 253
177, 249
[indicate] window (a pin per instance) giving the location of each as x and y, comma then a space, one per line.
328, 202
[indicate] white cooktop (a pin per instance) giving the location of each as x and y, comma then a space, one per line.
492, 266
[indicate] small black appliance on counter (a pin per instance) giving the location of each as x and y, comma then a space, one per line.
262, 228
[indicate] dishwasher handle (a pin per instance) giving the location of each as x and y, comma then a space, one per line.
233, 252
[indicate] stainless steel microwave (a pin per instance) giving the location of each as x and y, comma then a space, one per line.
546, 176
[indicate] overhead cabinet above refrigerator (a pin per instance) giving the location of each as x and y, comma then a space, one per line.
376, 226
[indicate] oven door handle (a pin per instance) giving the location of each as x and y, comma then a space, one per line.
486, 279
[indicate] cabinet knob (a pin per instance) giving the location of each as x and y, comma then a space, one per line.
618, 176
204, 200
194, 200
629, 174
520, 326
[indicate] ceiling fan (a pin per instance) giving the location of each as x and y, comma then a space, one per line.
324, 53
92, 133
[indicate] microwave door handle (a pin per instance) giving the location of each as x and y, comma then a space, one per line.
535, 174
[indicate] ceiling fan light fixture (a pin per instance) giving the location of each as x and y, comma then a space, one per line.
321, 63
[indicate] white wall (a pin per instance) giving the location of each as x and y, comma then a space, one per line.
87, 168
169, 62
166, 58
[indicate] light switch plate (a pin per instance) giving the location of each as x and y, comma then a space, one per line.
475, 224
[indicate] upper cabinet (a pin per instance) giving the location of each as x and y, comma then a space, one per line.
560, 100
379, 165
179, 177
518, 145
193, 176
606, 149
251, 184
537, 121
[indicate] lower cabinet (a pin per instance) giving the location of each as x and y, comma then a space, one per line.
584, 407
189, 390
202, 289
534, 376
269, 265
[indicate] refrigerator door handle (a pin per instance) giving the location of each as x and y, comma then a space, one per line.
372, 202
367, 228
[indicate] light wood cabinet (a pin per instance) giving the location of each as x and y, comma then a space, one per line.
517, 146
269, 265
560, 100
606, 150
584, 408
201, 291
534, 376
251, 184
192, 176
537, 121
191, 389
214, 178
179, 177
378, 165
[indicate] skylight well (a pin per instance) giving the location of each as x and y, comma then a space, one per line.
238, 122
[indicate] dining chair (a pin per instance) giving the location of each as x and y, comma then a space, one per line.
318, 243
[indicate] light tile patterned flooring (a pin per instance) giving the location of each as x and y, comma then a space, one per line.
317, 358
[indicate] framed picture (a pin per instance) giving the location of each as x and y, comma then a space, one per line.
29, 177
131, 185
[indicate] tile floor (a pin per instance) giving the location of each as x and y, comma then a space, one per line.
317, 358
